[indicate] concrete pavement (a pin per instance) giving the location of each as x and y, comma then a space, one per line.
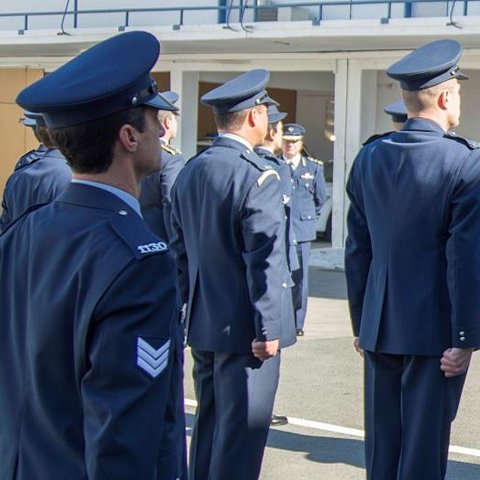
321, 390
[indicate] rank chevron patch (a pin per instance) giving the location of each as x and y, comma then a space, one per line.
151, 360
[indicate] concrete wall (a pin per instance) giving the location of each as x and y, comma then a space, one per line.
14, 137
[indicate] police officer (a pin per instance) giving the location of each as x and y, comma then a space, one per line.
308, 196
229, 240
398, 113
269, 150
39, 176
411, 262
89, 351
155, 199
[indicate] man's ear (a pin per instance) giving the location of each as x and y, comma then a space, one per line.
128, 137
444, 99
253, 116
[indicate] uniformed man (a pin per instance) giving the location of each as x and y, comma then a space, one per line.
229, 241
411, 261
155, 199
269, 150
89, 351
30, 120
39, 175
308, 196
398, 113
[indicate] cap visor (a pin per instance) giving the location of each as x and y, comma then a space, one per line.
460, 75
269, 101
292, 137
28, 122
161, 103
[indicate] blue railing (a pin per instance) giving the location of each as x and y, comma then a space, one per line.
224, 11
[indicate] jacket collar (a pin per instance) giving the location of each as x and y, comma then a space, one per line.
423, 124
222, 141
93, 197
264, 152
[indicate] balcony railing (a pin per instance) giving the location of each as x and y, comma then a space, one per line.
224, 12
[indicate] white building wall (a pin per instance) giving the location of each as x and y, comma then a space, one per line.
376, 10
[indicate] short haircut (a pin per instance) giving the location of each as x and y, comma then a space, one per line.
164, 114
42, 135
88, 148
419, 100
231, 121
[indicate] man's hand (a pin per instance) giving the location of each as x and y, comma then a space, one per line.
356, 344
264, 350
455, 361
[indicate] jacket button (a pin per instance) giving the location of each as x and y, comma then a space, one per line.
284, 285
461, 333
462, 339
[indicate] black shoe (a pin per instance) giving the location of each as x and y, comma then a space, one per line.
300, 332
278, 420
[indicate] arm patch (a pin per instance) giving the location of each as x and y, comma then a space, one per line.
265, 175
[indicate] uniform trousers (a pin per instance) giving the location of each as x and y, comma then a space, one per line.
300, 289
409, 407
235, 395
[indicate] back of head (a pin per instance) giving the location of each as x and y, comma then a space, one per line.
427, 73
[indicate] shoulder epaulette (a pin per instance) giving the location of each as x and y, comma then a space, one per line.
170, 149
28, 158
314, 160
471, 144
141, 241
376, 137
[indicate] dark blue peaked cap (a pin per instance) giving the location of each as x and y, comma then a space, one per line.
397, 111
109, 77
274, 115
429, 65
293, 131
239, 93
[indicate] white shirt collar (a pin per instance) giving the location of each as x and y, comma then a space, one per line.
128, 198
232, 136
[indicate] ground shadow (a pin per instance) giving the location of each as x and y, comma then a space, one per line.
322, 449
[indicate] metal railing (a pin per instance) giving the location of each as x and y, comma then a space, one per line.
223, 12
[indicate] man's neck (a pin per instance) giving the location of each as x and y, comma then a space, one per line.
239, 138
267, 147
438, 119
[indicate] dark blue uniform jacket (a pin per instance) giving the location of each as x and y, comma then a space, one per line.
413, 253
88, 343
229, 241
155, 194
35, 182
308, 196
283, 170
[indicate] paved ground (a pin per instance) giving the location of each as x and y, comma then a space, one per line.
321, 390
